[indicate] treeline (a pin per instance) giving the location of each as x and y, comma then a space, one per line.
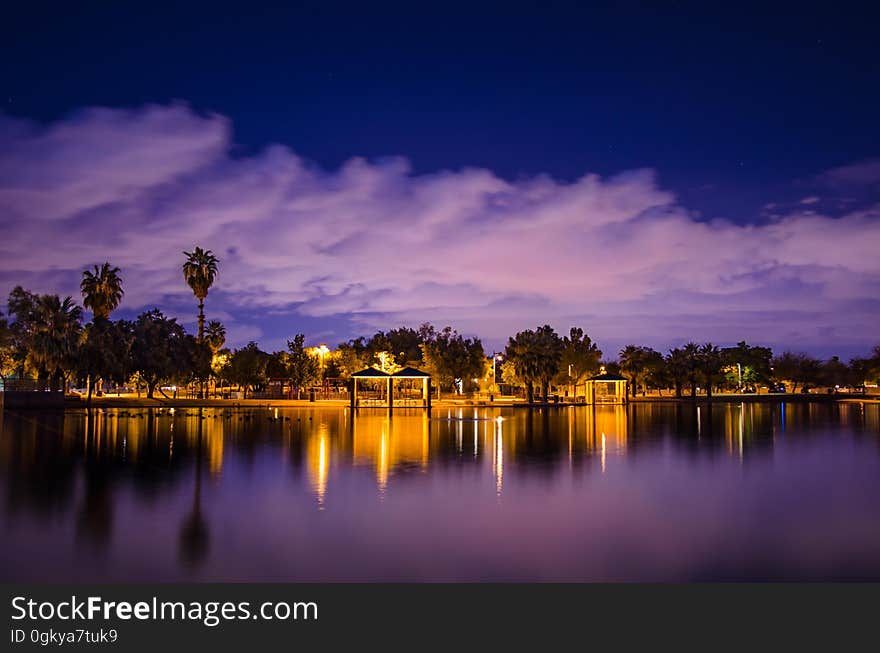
45, 337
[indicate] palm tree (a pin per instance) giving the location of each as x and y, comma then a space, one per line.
101, 290
639, 363
56, 337
535, 356
677, 368
691, 354
710, 365
215, 336
199, 272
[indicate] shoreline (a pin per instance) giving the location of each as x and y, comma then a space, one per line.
336, 404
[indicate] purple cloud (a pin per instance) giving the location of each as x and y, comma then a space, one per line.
862, 172
380, 246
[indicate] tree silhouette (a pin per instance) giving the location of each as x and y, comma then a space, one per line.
199, 272
101, 290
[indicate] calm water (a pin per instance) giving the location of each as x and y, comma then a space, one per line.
646, 492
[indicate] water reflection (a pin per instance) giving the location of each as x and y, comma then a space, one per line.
93, 482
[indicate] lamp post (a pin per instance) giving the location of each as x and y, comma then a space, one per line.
323, 350
570, 384
495, 359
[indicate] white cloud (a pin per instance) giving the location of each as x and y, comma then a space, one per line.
373, 240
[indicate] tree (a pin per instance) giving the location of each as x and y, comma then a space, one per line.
638, 363
195, 367
678, 368
105, 352
101, 290
579, 359
404, 343
535, 357
834, 372
864, 370
215, 336
509, 375
796, 369
55, 338
159, 351
453, 359
302, 368
199, 271
710, 364
247, 367
691, 353
7, 350
353, 356
746, 365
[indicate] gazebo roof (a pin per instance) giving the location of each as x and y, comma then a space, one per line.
608, 376
410, 373
370, 373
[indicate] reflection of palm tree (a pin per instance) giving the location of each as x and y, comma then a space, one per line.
199, 272
96, 516
95, 522
194, 534
101, 290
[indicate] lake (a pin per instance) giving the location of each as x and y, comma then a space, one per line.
646, 492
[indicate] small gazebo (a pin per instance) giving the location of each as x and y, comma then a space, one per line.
370, 374
606, 388
387, 383
412, 374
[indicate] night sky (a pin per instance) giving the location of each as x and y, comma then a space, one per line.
653, 175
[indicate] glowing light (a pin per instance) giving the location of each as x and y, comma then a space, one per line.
498, 459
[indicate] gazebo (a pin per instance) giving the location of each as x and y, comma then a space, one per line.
606, 388
373, 374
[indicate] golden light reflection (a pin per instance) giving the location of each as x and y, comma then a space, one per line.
498, 456
386, 443
382, 463
318, 462
606, 431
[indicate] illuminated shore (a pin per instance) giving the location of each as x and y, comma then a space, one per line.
503, 402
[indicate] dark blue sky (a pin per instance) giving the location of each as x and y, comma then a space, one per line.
733, 106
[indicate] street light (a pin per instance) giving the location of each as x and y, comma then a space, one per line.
495, 359
322, 351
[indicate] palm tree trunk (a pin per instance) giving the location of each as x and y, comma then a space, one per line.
201, 319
